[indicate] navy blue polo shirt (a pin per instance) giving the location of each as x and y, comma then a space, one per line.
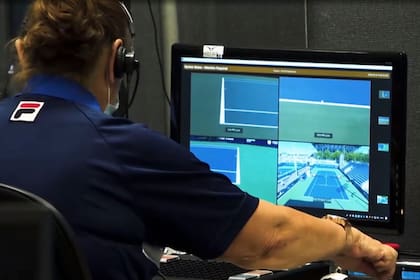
118, 183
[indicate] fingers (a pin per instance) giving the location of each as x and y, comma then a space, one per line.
385, 267
383, 262
371, 257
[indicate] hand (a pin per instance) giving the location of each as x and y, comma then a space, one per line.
368, 255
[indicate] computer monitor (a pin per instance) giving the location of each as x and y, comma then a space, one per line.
319, 131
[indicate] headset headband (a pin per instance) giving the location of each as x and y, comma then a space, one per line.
129, 18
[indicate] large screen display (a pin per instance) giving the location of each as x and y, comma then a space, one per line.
320, 131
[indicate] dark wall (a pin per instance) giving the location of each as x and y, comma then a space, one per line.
380, 25
264, 23
150, 104
3, 40
11, 15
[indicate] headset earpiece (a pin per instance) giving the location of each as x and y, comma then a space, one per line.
119, 62
125, 62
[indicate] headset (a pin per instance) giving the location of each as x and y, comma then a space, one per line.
125, 60
125, 64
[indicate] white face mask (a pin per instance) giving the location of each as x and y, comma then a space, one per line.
111, 108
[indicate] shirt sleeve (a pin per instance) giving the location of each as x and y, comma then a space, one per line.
183, 204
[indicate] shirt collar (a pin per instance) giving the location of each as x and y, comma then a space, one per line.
61, 87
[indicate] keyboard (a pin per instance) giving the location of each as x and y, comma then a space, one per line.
199, 269
192, 267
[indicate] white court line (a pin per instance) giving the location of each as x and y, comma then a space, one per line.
323, 103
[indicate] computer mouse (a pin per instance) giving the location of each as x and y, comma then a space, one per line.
335, 276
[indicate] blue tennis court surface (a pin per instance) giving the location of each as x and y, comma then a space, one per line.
326, 185
320, 186
221, 159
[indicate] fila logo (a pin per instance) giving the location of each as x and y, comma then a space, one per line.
26, 111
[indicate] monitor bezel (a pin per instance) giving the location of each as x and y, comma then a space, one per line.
180, 107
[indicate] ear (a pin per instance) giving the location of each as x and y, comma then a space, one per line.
19, 50
111, 64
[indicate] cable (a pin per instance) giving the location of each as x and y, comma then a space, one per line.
127, 95
157, 47
306, 23
136, 85
122, 110
159, 273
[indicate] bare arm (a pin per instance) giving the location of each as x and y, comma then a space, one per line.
278, 237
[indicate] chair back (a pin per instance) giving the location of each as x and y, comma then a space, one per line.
67, 262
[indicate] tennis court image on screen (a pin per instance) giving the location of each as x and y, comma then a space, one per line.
323, 153
307, 137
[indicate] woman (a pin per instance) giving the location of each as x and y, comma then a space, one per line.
120, 184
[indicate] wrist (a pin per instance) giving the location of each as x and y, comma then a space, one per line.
348, 232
